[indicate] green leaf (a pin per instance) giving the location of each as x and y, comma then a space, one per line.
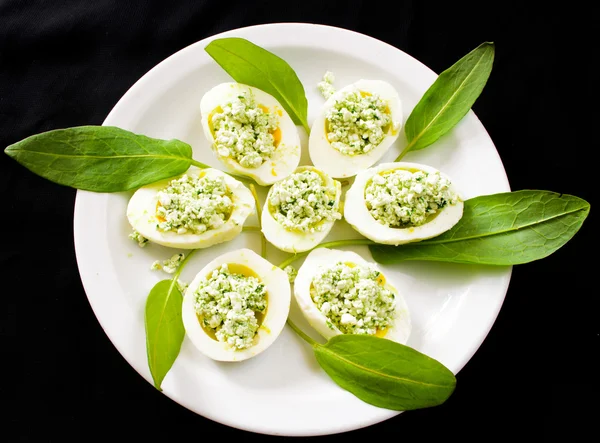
254, 66
449, 98
385, 373
101, 158
164, 328
510, 228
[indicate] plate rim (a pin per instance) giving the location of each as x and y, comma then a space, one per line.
139, 85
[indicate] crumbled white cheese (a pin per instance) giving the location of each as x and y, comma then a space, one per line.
194, 205
139, 238
243, 131
169, 265
227, 303
406, 199
358, 123
353, 298
302, 201
182, 285
325, 87
291, 273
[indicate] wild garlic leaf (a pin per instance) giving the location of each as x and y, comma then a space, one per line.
254, 66
101, 158
449, 98
385, 373
164, 328
509, 228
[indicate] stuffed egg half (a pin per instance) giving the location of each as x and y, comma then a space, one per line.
355, 127
339, 292
397, 203
236, 306
194, 210
250, 132
301, 209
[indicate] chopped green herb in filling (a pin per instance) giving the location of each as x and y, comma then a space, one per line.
301, 202
358, 123
325, 87
193, 205
243, 131
353, 298
139, 238
405, 199
170, 265
227, 304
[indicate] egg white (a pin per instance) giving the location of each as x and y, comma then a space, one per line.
141, 213
359, 217
278, 306
297, 241
334, 162
399, 330
287, 154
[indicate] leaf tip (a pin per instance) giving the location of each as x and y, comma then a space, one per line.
216, 41
211, 44
491, 46
11, 150
156, 379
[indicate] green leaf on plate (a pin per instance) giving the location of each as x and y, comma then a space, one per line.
385, 373
500, 229
450, 97
164, 328
252, 65
101, 158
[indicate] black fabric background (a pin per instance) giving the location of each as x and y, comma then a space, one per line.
66, 63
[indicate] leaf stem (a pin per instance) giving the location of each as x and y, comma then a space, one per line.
180, 268
199, 164
301, 333
331, 244
251, 229
263, 240
404, 151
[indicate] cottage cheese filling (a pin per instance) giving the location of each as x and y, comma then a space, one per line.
244, 131
138, 238
358, 123
169, 265
193, 205
325, 86
302, 202
353, 298
227, 304
404, 199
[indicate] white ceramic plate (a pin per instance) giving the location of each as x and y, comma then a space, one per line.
283, 391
